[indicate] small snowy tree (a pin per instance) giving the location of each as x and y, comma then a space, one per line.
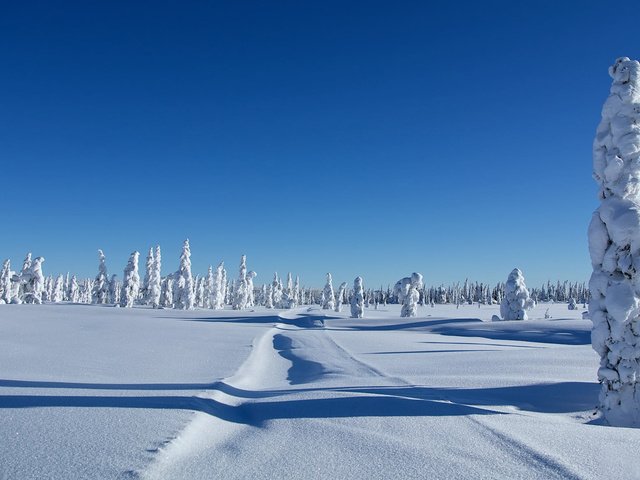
411, 295
276, 292
516, 299
130, 282
166, 293
100, 291
357, 300
58, 289
183, 293
155, 280
5, 282
217, 300
241, 291
251, 299
329, 301
614, 246
268, 301
74, 293
340, 296
114, 290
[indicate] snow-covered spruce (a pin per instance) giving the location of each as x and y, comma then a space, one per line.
329, 301
114, 290
144, 290
5, 282
340, 296
614, 246
183, 289
155, 280
32, 281
217, 296
166, 292
251, 301
208, 288
100, 290
58, 288
241, 293
130, 282
516, 299
411, 295
74, 292
357, 300
572, 304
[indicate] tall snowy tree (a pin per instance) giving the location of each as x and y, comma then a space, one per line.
251, 294
329, 301
183, 288
357, 300
100, 291
217, 296
130, 282
209, 283
516, 299
614, 246
114, 290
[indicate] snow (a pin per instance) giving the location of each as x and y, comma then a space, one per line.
91, 391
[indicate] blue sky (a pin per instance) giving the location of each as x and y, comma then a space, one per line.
362, 138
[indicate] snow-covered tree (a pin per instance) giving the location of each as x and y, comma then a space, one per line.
100, 291
340, 296
614, 246
217, 295
183, 288
411, 295
155, 280
268, 301
516, 299
572, 304
329, 301
241, 291
5, 282
114, 290
357, 300
276, 291
166, 293
130, 282
144, 290
208, 288
31, 281
58, 289
74, 293
251, 299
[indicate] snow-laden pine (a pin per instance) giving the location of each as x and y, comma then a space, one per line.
183, 289
329, 300
5, 282
74, 290
516, 299
241, 291
340, 296
58, 289
614, 246
130, 282
357, 300
411, 295
144, 290
100, 290
217, 295
154, 290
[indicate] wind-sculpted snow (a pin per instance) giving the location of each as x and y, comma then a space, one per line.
102, 392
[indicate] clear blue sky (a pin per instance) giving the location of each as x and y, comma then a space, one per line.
362, 138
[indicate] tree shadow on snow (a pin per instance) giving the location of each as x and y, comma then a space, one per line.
524, 333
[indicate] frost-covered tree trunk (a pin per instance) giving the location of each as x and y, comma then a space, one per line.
183, 287
357, 300
241, 291
516, 299
130, 282
411, 295
100, 291
340, 296
614, 246
329, 301
58, 289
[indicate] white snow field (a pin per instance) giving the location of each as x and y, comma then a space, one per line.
101, 392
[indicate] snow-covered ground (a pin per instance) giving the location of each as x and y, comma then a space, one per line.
102, 392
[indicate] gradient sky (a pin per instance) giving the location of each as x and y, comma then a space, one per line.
362, 138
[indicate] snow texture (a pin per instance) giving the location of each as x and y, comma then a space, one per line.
614, 246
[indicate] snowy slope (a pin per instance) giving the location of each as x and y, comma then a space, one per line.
98, 392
